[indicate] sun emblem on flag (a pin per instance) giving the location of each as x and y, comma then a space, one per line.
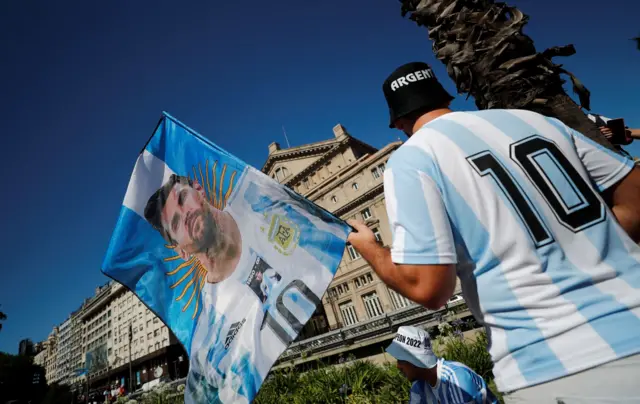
191, 273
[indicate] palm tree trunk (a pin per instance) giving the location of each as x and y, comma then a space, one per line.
488, 57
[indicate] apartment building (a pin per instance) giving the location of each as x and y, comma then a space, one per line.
41, 358
118, 329
98, 337
344, 176
51, 360
63, 357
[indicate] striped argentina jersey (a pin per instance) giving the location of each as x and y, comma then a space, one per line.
457, 384
512, 197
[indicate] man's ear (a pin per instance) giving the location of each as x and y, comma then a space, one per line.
199, 189
183, 254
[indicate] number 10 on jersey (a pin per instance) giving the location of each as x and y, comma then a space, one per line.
571, 199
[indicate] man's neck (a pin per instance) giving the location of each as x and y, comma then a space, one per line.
428, 117
430, 376
225, 262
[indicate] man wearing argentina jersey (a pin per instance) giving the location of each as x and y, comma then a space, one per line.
540, 224
435, 380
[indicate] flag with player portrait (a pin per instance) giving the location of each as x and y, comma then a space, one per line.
234, 263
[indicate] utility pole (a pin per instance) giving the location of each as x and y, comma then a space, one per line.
130, 365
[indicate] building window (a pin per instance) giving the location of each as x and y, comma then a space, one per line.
157, 345
281, 173
372, 305
348, 312
155, 320
305, 182
363, 280
352, 252
334, 199
381, 168
398, 300
366, 214
376, 173
354, 186
377, 235
156, 333
149, 336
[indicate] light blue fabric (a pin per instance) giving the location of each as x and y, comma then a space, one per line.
139, 257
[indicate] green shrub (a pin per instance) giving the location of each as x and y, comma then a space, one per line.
369, 383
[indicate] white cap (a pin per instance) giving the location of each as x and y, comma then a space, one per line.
413, 345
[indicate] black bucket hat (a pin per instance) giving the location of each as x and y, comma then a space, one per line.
412, 87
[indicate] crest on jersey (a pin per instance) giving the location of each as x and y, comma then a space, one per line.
283, 234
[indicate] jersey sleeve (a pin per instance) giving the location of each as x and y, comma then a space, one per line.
417, 215
605, 167
467, 387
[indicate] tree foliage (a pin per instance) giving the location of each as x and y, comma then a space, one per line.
17, 377
488, 56
3, 317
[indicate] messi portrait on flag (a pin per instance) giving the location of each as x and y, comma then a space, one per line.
233, 262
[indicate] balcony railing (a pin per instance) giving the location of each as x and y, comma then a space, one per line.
375, 327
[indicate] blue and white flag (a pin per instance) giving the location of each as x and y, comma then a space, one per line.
233, 262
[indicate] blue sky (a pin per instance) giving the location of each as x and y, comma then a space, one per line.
84, 82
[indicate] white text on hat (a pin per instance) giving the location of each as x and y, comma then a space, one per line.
411, 78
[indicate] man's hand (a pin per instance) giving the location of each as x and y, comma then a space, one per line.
428, 285
606, 132
363, 238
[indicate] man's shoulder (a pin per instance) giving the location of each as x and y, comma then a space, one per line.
414, 154
462, 373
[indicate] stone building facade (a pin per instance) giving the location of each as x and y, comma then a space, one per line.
344, 176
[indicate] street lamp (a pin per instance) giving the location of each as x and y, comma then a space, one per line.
130, 366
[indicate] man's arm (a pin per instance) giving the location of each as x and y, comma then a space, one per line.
428, 285
624, 200
421, 262
616, 178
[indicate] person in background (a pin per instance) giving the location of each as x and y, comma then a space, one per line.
630, 134
435, 380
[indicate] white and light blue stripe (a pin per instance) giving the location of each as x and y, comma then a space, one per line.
536, 302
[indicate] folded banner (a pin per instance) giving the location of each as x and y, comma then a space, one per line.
233, 262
